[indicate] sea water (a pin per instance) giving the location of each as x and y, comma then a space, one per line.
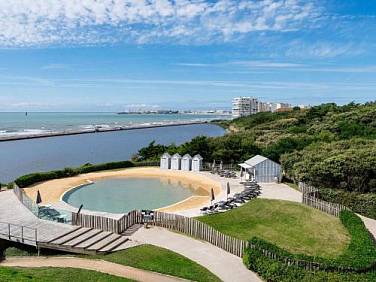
44, 154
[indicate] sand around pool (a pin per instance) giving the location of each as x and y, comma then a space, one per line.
52, 191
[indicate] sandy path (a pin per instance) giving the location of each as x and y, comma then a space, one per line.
96, 265
52, 191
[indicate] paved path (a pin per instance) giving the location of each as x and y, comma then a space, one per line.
223, 264
96, 265
370, 224
280, 191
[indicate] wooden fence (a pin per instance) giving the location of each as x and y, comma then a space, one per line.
199, 230
95, 221
105, 223
311, 198
128, 220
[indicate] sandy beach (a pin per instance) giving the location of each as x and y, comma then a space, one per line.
53, 190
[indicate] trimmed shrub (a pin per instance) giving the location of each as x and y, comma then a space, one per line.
105, 166
276, 271
364, 204
358, 260
30, 179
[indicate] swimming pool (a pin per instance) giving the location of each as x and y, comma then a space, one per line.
121, 195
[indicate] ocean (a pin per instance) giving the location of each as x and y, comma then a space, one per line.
20, 124
44, 154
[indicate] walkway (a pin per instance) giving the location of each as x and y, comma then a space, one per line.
53, 235
223, 264
370, 224
96, 265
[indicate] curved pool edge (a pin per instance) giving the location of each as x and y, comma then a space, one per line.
65, 185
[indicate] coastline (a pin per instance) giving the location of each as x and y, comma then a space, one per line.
97, 130
52, 191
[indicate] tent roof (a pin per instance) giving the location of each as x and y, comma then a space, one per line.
244, 165
256, 160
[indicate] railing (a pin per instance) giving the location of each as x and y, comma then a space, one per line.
200, 230
186, 225
25, 200
19, 233
310, 198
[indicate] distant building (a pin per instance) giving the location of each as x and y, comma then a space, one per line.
244, 106
261, 169
283, 107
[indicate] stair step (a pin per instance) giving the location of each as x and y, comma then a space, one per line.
71, 236
65, 234
103, 243
94, 240
84, 237
114, 244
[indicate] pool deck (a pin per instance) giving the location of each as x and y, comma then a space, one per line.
53, 190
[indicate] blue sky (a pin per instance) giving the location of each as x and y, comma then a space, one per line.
114, 55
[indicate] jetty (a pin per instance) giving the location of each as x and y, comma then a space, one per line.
95, 130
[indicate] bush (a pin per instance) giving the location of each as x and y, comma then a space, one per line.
105, 166
359, 257
364, 204
272, 270
30, 179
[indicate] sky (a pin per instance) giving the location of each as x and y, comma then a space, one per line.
112, 55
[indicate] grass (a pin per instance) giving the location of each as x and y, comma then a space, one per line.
145, 257
291, 226
48, 274
160, 260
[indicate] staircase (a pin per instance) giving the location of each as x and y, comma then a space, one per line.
87, 241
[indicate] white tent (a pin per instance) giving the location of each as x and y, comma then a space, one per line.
176, 162
186, 162
197, 163
261, 169
165, 161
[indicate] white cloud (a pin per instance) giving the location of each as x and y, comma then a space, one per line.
48, 22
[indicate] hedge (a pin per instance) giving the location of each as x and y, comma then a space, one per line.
276, 271
364, 204
358, 260
30, 179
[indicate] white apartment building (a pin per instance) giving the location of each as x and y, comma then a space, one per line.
244, 106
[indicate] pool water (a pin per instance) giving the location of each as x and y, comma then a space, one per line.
121, 195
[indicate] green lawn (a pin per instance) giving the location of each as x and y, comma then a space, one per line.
146, 257
48, 274
291, 226
160, 260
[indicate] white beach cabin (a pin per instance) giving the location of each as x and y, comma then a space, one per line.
186, 162
261, 169
197, 163
176, 162
165, 161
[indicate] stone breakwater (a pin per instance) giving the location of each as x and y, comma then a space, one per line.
95, 130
